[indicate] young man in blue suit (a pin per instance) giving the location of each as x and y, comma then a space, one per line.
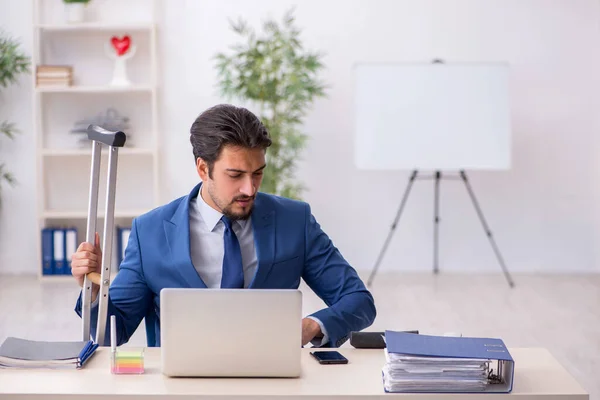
226, 234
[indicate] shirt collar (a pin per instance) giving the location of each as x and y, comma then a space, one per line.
211, 216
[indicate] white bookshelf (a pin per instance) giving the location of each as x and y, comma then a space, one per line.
124, 152
63, 163
97, 26
96, 89
82, 214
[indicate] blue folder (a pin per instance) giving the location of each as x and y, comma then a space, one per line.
457, 347
48, 251
60, 266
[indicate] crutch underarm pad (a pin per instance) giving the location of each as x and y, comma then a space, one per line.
109, 138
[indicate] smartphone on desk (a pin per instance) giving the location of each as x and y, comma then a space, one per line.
329, 357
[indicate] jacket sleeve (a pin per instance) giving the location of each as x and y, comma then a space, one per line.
128, 297
350, 306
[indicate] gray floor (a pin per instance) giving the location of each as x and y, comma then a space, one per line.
560, 313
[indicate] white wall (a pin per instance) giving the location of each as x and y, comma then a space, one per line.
18, 225
543, 212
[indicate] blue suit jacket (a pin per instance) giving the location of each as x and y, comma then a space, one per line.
290, 246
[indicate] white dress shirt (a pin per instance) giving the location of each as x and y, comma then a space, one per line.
207, 246
208, 249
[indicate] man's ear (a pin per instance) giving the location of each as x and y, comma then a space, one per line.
202, 169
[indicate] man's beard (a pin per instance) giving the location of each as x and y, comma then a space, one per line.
227, 210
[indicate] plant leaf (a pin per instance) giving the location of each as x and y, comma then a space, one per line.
13, 62
9, 129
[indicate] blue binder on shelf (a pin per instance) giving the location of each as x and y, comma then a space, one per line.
48, 251
458, 347
70, 247
122, 240
60, 267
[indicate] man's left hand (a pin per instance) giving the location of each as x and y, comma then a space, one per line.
310, 330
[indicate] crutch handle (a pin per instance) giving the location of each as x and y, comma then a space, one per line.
94, 277
109, 138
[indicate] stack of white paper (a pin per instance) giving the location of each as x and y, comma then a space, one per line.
405, 373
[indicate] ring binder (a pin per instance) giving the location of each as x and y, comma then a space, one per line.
454, 364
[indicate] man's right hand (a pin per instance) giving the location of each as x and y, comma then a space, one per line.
87, 259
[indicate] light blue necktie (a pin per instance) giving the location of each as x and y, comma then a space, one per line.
233, 271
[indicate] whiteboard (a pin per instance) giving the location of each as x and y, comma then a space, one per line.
432, 116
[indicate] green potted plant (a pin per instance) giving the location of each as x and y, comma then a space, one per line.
273, 72
75, 10
13, 62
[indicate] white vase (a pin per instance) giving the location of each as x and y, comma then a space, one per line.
74, 12
120, 77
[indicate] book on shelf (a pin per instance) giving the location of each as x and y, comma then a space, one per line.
54, 75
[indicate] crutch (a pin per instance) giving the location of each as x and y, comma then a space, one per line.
114, 140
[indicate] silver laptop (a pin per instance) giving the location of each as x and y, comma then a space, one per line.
230, 332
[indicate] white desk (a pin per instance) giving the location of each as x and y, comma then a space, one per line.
537, 376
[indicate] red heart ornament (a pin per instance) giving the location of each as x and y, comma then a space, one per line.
121, 45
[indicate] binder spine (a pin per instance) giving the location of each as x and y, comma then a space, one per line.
59, 252
47, 251
70, 247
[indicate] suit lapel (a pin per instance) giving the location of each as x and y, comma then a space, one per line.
263, 223
177, 232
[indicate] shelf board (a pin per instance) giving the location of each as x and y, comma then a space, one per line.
88, 152
94, 89
48, 214
58, 278
68, 278
97, 26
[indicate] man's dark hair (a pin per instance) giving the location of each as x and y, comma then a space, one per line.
222, 125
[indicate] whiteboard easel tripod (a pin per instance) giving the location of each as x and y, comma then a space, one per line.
436, 117
436, 220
